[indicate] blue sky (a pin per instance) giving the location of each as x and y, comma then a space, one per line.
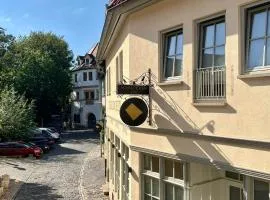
79, 21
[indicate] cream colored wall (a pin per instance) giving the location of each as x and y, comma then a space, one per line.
247, 113
113, 102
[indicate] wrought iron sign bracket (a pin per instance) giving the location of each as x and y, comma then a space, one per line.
140, 86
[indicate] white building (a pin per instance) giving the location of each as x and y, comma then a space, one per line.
86, 105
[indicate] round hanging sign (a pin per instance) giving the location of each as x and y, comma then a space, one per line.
134, 112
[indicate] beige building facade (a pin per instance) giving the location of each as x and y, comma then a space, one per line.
209, 133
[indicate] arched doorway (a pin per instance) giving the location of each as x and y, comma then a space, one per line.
91, 120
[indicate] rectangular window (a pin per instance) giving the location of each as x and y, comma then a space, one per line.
258, 38
92, 95
87, 61
167, 182
210, 76
174, 169
151, 163
86, 95
261, 190
151, 188
90, 76
173, 54
77, 95
173, 192
212, 49
236, 193
97, 94
76, 78
77, 118
84, 76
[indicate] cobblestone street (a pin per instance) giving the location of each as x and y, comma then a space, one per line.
72, 170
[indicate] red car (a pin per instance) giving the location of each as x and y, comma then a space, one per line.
19, 149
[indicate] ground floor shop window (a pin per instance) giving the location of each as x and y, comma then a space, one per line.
125, 172
151, 188
261, 190
247, 188
163, 178
174, 192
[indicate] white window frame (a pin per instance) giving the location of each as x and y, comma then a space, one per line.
163, 179
248, 13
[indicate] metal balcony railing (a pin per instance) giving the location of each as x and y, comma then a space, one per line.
210, 83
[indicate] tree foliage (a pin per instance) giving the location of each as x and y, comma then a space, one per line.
38, 67
16, 115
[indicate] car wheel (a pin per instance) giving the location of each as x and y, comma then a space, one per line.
25, 156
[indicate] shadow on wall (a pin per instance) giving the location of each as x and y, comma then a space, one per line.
258, 81
168, 114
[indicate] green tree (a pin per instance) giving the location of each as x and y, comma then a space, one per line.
38, 67
16, 115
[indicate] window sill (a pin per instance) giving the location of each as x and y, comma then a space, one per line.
173, 82
217, 103
254, 75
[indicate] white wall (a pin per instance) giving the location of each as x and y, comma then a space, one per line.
79, 107
81, 83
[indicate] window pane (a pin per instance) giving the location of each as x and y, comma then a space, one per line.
147, 185
169, 67
235, 193
155, 164
179, 170
169, 192
179, 193
256, 53
207, 60
220, 34
171, 45
179, 49
155, 187
261, 190
268, 52
208, 40
220, 56
147, 162
178, 66
169, 168
258, 27
146, 197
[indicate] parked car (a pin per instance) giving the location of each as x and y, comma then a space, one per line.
19, 149
43, 144
55, 130
41, 139
49, 133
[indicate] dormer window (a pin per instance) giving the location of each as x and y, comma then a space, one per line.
87, 61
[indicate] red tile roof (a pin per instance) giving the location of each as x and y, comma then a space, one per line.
114, 3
